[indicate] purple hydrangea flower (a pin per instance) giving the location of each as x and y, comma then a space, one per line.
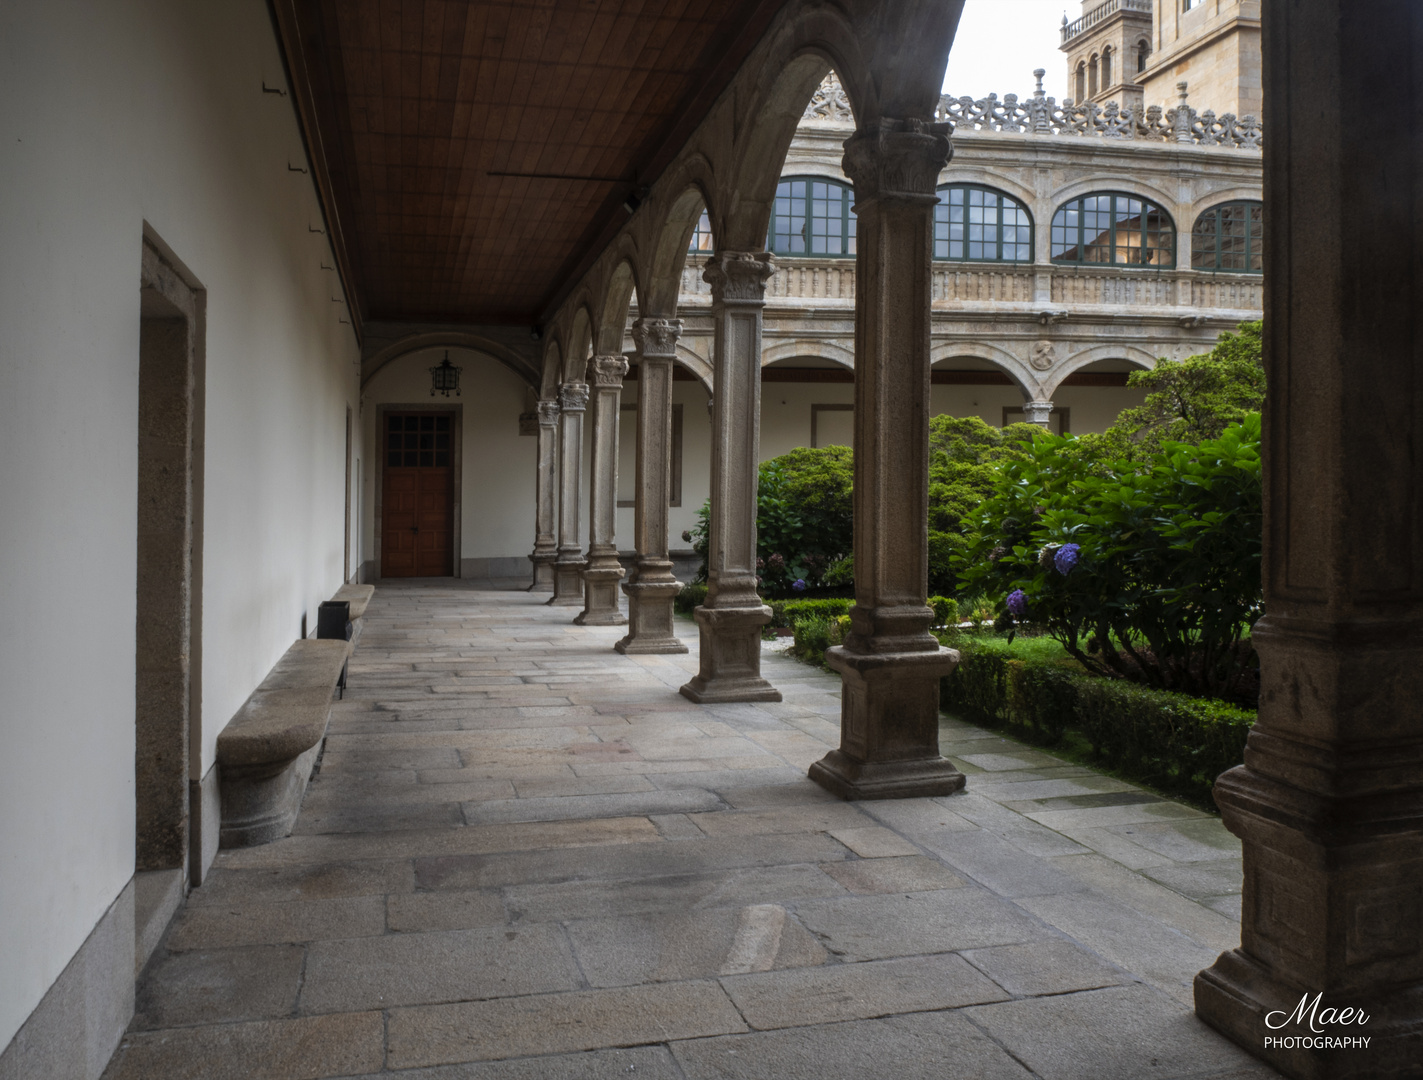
1066, 557
798, 584
1018, 603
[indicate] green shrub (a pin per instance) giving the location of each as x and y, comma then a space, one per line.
814, 633
1173, 741
841, 573
946, 610
689, 598
1163, 583
803, 516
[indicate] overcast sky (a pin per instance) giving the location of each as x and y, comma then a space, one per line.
1000, 42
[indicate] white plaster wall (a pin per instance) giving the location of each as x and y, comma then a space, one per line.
786, 411
498, 471
696, 465
113, 115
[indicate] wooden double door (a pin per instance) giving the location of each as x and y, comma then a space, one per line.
417, 509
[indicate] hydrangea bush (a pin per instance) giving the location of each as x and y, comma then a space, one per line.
1150, 572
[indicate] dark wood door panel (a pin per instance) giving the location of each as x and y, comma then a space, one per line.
417, 513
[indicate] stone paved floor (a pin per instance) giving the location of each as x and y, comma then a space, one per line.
526, 857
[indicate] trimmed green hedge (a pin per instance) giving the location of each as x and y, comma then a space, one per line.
1173, 741
689, 598
787, 612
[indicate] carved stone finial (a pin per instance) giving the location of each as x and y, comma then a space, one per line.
573, 397
657, 337
609, 370
1038, 74
1044, 355
548, 412
739, 275
897, 159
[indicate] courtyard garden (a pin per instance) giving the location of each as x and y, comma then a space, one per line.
1100, 589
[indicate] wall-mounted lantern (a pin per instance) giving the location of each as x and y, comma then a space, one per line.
445, 377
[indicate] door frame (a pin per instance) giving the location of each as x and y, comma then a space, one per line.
456, 476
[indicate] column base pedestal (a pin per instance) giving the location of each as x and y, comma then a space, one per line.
889, 727
543, 571
600, 594
650, 618
1237, 992
730, 657
567, 583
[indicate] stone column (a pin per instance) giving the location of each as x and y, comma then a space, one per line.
546, 499
1036, 412
651, 588
603, 572
1329, 802
568, 566
731, 619
890, 663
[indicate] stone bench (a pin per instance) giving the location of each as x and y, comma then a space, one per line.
358, 596
266, 753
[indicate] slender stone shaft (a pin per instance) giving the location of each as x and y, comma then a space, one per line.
546, 499
891, 664
568, 566
731, 619
603, 572
1329, 802
652, 588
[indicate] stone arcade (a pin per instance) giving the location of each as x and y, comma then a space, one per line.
522, 841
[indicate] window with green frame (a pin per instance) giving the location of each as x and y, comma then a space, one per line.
1113, 227
701, 242
1230, 237
979, 224
812, 217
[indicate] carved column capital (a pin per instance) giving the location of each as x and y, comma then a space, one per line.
897, 159
548, 412
1036, 412
573, 397
657, 337
739, 275
608, 371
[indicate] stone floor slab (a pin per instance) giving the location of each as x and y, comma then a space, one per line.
555, 1023
920, 1047
876, 927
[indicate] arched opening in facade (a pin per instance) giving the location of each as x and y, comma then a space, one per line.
806, 400
974, 223
1143, 53
812, 216
1113, 227
1092, 83
1230, 238
968, 384
1081, 82
1106, 69
1090, 397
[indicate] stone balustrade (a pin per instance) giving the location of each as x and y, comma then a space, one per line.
960, 283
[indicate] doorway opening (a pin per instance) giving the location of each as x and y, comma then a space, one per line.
167, 622
419, 458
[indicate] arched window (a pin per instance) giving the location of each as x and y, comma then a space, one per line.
978, 223
1113, 227
1081, 83
701, 236
812, 217
1106, 68
1092, 77
1143, 50
1230, 237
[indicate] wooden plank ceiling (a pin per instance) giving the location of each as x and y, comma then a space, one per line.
477, 153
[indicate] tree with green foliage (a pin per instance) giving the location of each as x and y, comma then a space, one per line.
1192, 400
965, 455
